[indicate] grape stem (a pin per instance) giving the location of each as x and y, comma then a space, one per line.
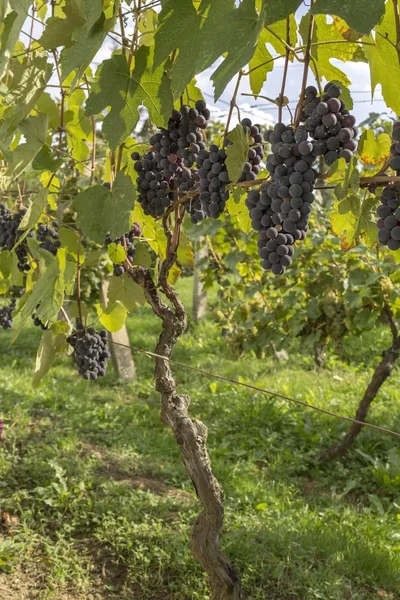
233, 102
285, 71
307, 56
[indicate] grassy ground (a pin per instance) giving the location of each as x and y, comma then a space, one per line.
98, 505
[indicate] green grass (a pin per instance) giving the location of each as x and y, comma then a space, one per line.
105, 507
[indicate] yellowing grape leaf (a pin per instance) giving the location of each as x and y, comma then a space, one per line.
324, 53
261, 64
352, 219
374, 150
113, 317
237, 208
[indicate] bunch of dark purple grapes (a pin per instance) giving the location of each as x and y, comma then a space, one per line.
90, 352
395, 148
280, 210
329, 125
154, 193
128, 242
389, 217
6, 317
10, 234
48, 237
167, 168
213, 172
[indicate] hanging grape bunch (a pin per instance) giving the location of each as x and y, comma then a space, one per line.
168, 166
330, 127
48, 237
213, 172
280, 210
127, 241
90, 352
6, 320
10, 234
389, 210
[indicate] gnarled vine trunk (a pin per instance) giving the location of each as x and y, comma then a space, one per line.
190, 434
381, 373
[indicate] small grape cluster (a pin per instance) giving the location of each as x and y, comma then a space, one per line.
256, 153
38, 323
48, 237
331, 127
10, 234
90, 352
154, 193
214, 178
127, 240
6, 319
389, 217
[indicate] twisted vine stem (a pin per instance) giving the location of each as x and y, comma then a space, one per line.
190, 434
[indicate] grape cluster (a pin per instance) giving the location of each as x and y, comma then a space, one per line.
48, 237
280, 210
331, 127
256, 153
395, 148
214, 178
90, 352
389, 217
38, 323
154, 193
213, 173
6, 320
127, 241
9, 235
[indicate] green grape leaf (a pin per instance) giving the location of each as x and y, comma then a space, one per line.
47, 295
352, 220
125, 91
116, 253
324, 53
126, 291
47, 105
33, 213
113, 317
34, 129
78, 129
100, 210
244, 26
346, 175
88, 39
237, 208
383, 60
142, 255
279, 9
361, 15
185, 251
70, 241
45, 160
237, 153
58, 31
262, 56
374, 150
92, 259
147, 26
29, 81
53, 343
13, 14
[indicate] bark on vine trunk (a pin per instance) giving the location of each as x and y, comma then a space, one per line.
381, 373
190, 434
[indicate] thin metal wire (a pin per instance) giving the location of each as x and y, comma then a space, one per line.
262, 390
